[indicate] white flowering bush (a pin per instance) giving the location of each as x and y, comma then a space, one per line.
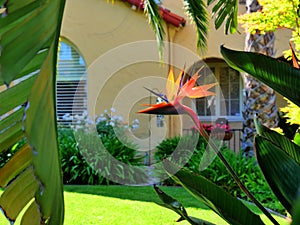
109, 124
83, 161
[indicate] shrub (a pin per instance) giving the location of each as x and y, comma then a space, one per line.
188, 149
249, 173
246, 169
75, 169
186, 144
80, 162
112, 130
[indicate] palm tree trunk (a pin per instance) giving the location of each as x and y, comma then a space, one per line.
259, 99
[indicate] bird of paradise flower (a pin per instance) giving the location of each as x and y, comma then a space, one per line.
171, 105
175, 92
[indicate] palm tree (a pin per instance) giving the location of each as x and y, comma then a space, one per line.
259, 98
31, 177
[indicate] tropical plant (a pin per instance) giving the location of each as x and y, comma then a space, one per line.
203, 189
277, 156
257, 99
32, 177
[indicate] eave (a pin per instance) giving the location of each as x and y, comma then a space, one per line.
166, 14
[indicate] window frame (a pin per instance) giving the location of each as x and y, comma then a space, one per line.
217, 68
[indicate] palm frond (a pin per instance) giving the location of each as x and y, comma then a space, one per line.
197, 11
155, 20
225, 9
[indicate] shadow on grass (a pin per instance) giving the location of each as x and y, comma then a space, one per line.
145, 193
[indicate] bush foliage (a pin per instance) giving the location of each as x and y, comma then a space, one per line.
246, 168
110, 130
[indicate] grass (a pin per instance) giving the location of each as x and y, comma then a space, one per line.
125, 205
118, 205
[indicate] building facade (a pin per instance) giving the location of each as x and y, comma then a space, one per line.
117, 48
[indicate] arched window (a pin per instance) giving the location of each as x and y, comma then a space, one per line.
228, 100
71, 84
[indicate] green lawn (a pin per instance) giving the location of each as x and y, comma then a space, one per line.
117, 205
126, 205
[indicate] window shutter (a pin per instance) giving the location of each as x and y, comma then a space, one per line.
71, 85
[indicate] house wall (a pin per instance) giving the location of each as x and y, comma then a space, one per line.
120, 52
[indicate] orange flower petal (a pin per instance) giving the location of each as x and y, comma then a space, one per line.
200, 91
170, 86
179, 79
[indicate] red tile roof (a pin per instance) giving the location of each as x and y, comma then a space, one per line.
166, 14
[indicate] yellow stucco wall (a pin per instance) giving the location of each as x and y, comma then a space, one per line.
96, 27
121, 55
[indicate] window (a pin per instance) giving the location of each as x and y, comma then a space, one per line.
71, 84
228, 100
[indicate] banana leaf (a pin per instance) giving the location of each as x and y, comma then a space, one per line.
31, 179
296, 213
279, 160
229, 208
280, 76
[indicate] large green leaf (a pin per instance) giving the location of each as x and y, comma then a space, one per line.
229, 208
279, 160
280, 76
19, 162
14, 198
296, 213
31, 179
285, 144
